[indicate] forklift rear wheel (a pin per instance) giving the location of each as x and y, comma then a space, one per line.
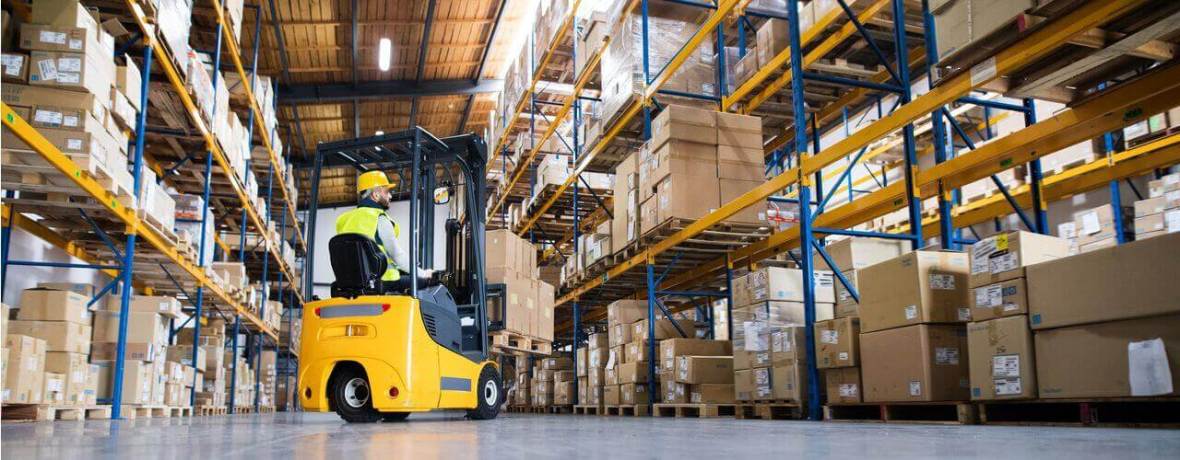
352, 398
488, 395
394, 416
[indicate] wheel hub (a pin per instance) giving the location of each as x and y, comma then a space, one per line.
491, 394
356, 392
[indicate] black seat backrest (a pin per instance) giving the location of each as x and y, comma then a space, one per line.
358, 264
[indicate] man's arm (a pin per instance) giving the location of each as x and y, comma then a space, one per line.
394, 250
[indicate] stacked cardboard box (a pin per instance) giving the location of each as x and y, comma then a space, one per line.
1160, 212
592, 369
1095, 228
776, 294
999, 339
625, 205
214, 376
962, 23
1106, 322
521, 395
913, 342
144, 377
529, 305
543, 384
851, 255
770, 363
24, 369
61, 324
620, 317
696, 371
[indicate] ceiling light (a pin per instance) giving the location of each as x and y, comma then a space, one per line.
384, 49
379, 132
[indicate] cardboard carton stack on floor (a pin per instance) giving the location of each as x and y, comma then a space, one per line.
1095, 228
913, 341
242, 385
620, 316
266, 378
144, 372
1160, 212
65, 82
1106, 323
522, 394
60, 324
696, 371
696, 160
769, 361
998, 338
512, 261
543, 385
592, 369
214, 376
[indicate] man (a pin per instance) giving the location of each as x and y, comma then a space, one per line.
370, 219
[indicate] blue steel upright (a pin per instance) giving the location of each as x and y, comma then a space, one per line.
205, 224
947, 233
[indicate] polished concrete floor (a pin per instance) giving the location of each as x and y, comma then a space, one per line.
428, 436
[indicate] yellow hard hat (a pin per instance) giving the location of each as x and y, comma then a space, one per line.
372, 179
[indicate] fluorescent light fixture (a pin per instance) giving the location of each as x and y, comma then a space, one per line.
379, 132
384, 50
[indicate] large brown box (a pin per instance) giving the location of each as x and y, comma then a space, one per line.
858, 253
58, 335
772, 38
92, 71
681, 158
34, 96
633, 393
685, 197
683, 123
704, 369
625, 206
637, 350
711, 393
788, 382
917, 287
52, 305
924, 362
610, 395
846, 305
1132, 280
24, 374
737, 130
76, 371
633, 372
626, 312
787, 345
619, 334
842, 385
1003, 257
743, 384
1001, 359
779, 283
664, 329
1005, 298
1101, 360
671, 348
731, 189
141, 327
836, 342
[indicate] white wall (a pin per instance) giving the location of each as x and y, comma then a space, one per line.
400, 211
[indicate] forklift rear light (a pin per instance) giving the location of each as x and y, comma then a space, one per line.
317, 312
393, 392
385, 308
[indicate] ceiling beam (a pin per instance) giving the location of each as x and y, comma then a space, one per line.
483, 59
386, 23
369, 90
425, 46
466, 114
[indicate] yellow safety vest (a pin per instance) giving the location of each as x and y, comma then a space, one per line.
363, 221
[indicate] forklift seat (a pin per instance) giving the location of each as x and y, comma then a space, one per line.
358, 264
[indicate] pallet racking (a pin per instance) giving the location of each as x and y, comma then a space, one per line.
798, 164
138, 263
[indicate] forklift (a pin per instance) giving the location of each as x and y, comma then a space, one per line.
371, 352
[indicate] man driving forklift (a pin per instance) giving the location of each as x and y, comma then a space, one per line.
371, 220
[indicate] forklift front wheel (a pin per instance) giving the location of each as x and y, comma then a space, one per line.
352, 398
489, 394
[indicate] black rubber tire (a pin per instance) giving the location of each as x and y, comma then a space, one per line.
337, 388
485, 409
394, 416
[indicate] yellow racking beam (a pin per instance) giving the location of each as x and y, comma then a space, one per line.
165, 62
523, 166
19, 127
231, 42
566, 26
724, 7
1026, 50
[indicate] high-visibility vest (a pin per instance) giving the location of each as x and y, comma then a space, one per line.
363, 221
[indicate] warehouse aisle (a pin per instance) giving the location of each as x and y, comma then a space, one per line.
323, 436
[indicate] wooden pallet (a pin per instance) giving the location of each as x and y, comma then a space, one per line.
243, 410
699, 410
1109, 412
266, 409
634, 410
512, 343
768, 410
49, 412
154, 411
939, 412
593, 409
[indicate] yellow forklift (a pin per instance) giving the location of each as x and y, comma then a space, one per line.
372, 352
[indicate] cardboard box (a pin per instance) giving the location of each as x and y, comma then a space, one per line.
858, 253
846, 305
681, 158
836, 342
842, 385
1094, 225
665, 329
772, 38
743, 384
76, 372
183, 354
1110, 359
683, 123
165, 306
1003, 257
610, 395
105, 351
788, 382
1148, 224
731, 189
704, 369
51, 305
53, 388
917, 287
138, 380
631, 393
633, 372
37, 37
744, 131
1006, 298
778, 283
671, 348
626, 312
84, 289
142, 327
1150, 206
37, 96
92, 72
58, 335
787, 345
24, 374
1139, 277
637, 351
711, 393
1001, 359
685, 197
129, 82
924, 362
620, 334
15, 67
